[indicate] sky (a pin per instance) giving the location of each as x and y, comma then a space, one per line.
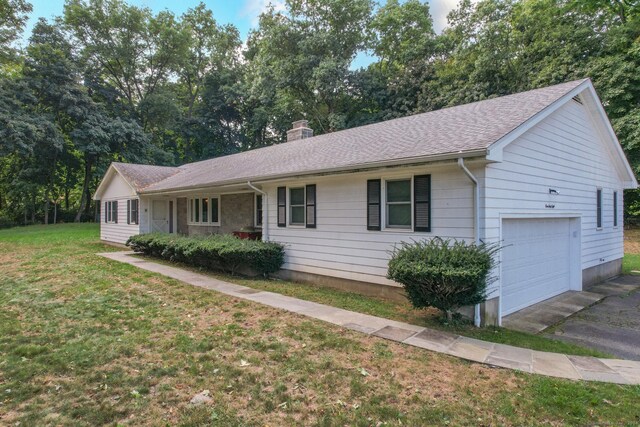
241, 13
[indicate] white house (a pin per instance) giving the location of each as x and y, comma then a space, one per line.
540, 171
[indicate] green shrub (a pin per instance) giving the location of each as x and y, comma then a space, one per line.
444, 274
215, 252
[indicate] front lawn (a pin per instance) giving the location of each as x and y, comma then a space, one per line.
401, 311
89, 341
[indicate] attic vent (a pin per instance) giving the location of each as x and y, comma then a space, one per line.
577, 99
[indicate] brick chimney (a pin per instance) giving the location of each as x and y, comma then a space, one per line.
300, 130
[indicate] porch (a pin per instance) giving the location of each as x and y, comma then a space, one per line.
204, 213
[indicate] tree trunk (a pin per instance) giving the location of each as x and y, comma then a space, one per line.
85, 190
66, 199
55, 212
33, 209
46, 210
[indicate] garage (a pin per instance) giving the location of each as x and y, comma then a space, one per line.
539, 260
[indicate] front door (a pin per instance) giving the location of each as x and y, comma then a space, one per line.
160, 216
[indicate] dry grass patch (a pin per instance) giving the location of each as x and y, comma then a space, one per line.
632, 241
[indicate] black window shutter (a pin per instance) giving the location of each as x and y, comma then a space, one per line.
422, 203
128, 211
311, 206
599, 208
282, 206
106, 211
115, 211
615, 208
374, 188
138, 211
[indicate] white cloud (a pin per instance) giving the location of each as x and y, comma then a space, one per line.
439, 11
253, 8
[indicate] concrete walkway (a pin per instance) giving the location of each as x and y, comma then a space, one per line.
540, 316
505, 356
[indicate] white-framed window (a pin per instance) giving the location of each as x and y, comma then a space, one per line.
203, 210
299, 204
111, 212
133, 214
258, 213
398, 202
296, 206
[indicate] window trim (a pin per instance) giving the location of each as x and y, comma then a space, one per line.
615, 209
387, 203
599, 208
302, 224
191, 207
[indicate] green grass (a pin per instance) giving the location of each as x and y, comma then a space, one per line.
402, 311
86, 341
631, 262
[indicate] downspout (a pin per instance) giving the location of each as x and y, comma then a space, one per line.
265, 212
476, 205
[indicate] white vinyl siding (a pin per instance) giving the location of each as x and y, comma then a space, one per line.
341, 246
117, 190
562, 153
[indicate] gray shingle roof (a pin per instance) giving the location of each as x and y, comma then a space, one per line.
466, 128
141, 176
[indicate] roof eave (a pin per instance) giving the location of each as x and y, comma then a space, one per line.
372, 165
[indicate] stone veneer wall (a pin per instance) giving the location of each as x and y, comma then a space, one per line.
236, 211
181, 208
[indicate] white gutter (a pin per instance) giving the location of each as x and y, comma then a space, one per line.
476, 227
329, 171
265, 212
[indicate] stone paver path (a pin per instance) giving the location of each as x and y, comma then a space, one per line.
505, 356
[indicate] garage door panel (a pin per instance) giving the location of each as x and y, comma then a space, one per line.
536, 261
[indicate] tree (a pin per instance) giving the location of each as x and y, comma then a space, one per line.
13, 16
299, 63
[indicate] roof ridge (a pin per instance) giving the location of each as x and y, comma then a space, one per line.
317, 137
470, 127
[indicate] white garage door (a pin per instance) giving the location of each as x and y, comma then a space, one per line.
536, 261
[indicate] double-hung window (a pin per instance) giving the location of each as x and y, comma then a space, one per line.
204, 210
111, 212
296, 206
133, 211
399, 204
301, 206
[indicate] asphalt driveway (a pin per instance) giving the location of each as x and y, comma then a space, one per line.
611, 325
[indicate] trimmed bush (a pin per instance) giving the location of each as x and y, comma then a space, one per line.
444, 274
215, 252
